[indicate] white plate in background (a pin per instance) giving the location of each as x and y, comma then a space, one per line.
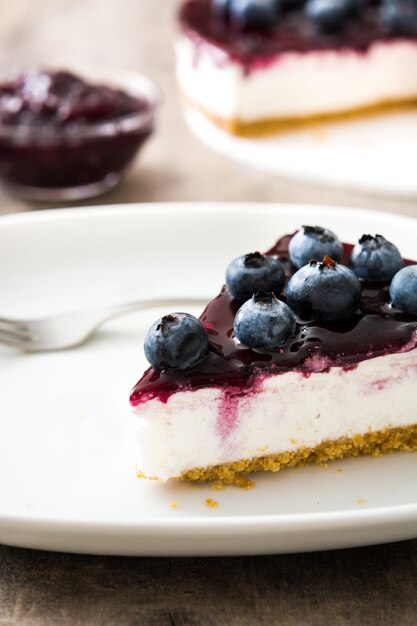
375, 154
67, 459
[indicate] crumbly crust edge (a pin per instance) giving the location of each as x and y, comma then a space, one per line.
372, 443
270, 126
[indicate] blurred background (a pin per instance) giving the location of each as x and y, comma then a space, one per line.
374, 585
174, 164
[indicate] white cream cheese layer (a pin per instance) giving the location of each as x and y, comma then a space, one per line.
288, 412
298, 84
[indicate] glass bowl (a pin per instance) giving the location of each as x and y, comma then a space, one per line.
82, 159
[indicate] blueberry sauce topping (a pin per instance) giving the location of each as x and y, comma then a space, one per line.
375, 329
221, 8
359, 25
58, 99
59, 132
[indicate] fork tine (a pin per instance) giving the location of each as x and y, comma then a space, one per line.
13, 324
21, 335
21, 332
12, 341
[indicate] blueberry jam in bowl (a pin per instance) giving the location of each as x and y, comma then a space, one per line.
64, 136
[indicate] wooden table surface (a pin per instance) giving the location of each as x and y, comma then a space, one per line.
375, 585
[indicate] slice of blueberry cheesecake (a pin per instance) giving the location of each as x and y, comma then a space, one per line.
256, 66
308, 354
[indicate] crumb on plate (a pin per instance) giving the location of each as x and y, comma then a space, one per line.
212, 504
243, 482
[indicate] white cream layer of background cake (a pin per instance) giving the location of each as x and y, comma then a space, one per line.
296, 84
289, 412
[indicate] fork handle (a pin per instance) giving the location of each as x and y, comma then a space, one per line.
138, 305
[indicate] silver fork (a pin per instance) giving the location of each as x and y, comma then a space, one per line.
66, 330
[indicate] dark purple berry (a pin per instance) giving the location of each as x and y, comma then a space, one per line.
375, 258
254, 272
264, 322
323, 291
176, 341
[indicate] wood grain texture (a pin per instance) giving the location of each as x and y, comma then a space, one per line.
368, 586
376, 585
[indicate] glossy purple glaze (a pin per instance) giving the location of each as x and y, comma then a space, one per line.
61, 100
293, 32
375, 330
52, 133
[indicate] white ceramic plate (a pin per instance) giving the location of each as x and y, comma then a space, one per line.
67, 462
376, 155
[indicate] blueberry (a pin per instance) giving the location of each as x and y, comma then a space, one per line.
254, 14
323, 291
314, 242
176, 341
375, 258
291, 4
254, 272
403, 289
329, 15
399, 16
264, 322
